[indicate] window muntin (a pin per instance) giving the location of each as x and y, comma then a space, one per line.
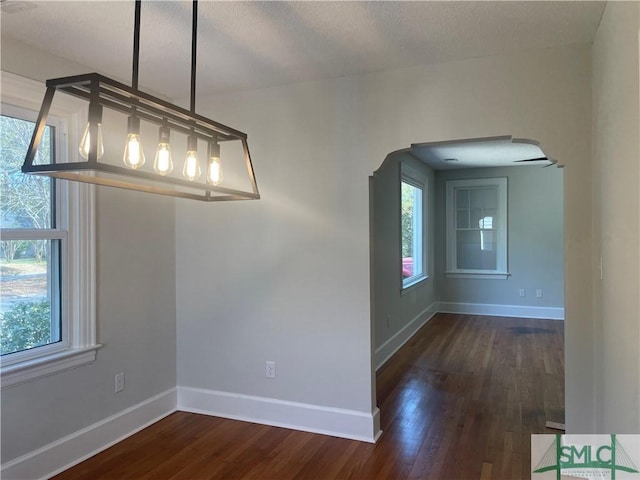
412, 227
477, 226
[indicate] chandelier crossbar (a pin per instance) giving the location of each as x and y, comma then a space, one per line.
118, 96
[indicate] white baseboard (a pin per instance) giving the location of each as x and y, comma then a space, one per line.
78, 446
391, 346
337, 422
551, 313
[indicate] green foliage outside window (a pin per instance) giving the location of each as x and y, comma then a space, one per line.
25, 326
407, 219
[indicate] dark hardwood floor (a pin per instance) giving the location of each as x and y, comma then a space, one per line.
458, 401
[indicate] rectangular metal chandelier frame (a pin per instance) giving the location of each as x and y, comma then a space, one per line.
105, 92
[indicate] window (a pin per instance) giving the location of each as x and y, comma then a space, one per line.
477, 227
413, 226
47, 321
30, 248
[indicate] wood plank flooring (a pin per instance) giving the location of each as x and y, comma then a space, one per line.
458, 401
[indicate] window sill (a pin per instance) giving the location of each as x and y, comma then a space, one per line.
478, 275
414, 282
44, 366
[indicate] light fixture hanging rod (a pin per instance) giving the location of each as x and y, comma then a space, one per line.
136, 46
194, 49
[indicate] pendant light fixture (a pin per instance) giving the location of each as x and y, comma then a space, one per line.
100, 166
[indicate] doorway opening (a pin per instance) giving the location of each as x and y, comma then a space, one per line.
493, 237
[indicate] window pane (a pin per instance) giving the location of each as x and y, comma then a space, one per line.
490, 198
407, 220
25, 200
412, 247
29, 306
476, 250
487, 240
475, 197
489, 219
462, 198
462, 218
477, 214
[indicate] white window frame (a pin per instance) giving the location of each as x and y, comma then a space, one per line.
417, 179
501, 270
75, 203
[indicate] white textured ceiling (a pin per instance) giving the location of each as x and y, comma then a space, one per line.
246, 45
485, 152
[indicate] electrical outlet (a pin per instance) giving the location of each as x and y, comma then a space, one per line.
522, 292
119, 382
539, 293
271, 370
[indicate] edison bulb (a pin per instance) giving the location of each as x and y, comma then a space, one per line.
133, 154
191, 170
85, 143
214, 171
163, 164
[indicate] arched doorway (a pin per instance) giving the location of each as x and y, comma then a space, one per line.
531, 282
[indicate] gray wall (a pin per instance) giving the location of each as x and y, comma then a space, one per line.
616, 143
135, 308
292, 279
394, 308
535, 240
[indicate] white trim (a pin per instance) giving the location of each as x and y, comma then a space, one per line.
376, 425
478, 276
522, 311
337, 422
385, 351
43, 366
78, 446
555, 425
32, 234
414, 281
24, 92
81, 263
